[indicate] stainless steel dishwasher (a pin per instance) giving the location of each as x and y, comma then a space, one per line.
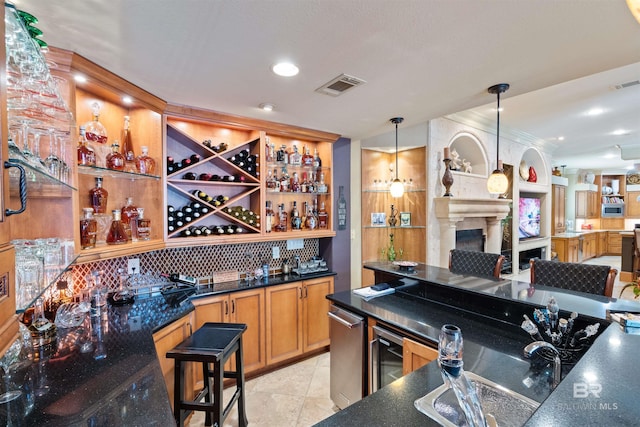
347, 357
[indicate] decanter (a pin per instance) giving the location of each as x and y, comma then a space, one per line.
94, 130
391, 250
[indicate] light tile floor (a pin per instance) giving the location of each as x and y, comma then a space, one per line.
297, 395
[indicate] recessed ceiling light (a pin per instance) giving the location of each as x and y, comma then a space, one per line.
595, 111
80, 78
285, 69
619, 132
561, 138
127, 99
267, 107
609, 156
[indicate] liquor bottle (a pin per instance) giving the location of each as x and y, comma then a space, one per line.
269, 217
144, 163
294, 186
342, 209
88, 229
323, 218
307, 158
144, 226
127, 144
86, 155
115, 160
94, 130
311, 222
316, 159
311, 187
295, 159
284, 180
282, 156
271, 180
296, 221
98, 197
129, 217
322, 187
117, 235
282, 218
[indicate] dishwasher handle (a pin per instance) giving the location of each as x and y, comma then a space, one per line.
345, 318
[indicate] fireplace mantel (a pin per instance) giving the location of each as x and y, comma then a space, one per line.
450, 211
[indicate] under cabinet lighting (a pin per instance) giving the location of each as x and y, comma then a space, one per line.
266, 106
80, 78
127, 99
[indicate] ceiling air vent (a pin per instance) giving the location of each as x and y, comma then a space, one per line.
340, 85
627, 84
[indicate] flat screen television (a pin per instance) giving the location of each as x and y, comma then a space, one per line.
529, 213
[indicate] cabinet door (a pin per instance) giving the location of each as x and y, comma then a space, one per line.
315, 307
581, 204
559, 246
416, 355
602, 243
165, 340
614, 243
284, 322
594, 205
248, 307
558, 207
572, 250
8, 319
633, 204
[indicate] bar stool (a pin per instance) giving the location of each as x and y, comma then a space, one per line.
212, 345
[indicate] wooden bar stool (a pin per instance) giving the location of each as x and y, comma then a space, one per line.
212, 345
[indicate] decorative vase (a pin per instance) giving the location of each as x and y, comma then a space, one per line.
589, 177
533, 177
524, 170
392, 218
447, 178
391, 251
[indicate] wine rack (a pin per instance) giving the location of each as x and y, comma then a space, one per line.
222, 162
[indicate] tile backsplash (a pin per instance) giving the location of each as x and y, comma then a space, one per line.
196, 261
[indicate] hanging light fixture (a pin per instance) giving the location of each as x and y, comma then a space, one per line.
498, 182
634, 7
397, 188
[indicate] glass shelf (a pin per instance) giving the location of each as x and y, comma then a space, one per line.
63, 269
381, 190
297, 193
272, 165
397, 227
98, 171
39, 182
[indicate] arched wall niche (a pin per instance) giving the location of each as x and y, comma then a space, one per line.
470, 149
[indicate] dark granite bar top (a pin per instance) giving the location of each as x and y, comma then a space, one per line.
106, 371
493, 349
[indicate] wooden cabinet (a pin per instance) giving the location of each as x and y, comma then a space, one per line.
589, 246
558, 209
566, 248
410, 235
116, 98
234, 196
246, 307
297, 319
416, 355
633, 204
166, 340
614, 243
587, 204
601, 243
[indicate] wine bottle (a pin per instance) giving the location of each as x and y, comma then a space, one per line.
171, 165
190, 176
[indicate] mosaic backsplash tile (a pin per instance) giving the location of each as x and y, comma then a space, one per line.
196, 261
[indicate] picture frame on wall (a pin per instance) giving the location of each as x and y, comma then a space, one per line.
378, 219
405, 219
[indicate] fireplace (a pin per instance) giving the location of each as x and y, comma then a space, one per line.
470, 240
452, 212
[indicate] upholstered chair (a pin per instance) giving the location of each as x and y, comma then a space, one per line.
475, 263
588, 278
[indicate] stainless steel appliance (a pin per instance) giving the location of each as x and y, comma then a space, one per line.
612, 210
385, 358
347, 384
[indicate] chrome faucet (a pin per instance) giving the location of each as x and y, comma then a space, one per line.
557, 364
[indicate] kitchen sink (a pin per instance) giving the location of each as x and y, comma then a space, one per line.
508, 407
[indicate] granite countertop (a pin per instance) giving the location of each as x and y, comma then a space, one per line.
493, 350
106, 371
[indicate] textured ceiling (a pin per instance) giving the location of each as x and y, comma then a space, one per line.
421, 59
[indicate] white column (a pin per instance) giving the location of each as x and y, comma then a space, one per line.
447, 239
494, 235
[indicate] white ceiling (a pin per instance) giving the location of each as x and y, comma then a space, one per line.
421, 59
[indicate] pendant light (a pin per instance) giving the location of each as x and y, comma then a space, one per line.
498, 182
634, 7
397, 188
